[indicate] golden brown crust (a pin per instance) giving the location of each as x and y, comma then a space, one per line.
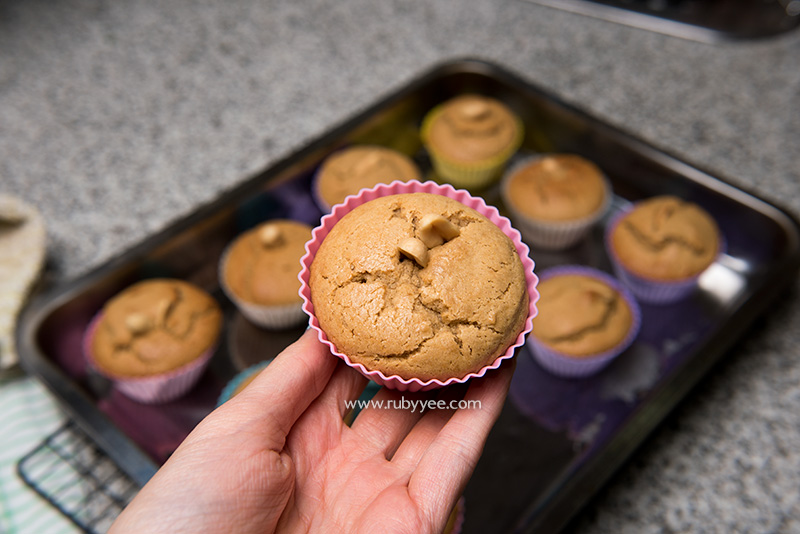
665, 238
155, 326
559, 187
472, 128
385, 311
579, 315
350, 170
263, 263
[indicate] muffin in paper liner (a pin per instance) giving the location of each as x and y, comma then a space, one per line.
316, 194
550, 235
567, 366
240, 378
395, 188
276, 317
155, 389
650, 290
469, 175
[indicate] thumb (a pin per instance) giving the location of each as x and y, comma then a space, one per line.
279, 395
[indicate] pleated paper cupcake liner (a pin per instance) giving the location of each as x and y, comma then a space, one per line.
568, 366
650, 290
551, 235
275, 317
469, 175
156, 389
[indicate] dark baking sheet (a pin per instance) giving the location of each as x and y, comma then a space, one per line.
557, 440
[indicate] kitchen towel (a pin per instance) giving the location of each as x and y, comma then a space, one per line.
28, 414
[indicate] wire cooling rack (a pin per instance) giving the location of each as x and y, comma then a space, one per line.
72, 474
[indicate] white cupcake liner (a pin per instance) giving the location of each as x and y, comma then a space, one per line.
567, 366
277, 317
551, 235
155, 389
650, 290
477, 203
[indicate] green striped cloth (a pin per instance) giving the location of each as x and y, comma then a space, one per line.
28, 414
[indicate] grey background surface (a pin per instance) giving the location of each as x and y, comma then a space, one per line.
119, 118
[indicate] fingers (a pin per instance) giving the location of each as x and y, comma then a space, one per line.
383, 428
449, 460
284, 389
419, 439
346, 384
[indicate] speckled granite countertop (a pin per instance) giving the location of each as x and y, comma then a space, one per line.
118, 118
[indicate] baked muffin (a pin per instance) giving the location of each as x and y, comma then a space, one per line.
585, 319
470, 138
419, 286
259, 272
661, 246
555, 199
352, 169
154, 338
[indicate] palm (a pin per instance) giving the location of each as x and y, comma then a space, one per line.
304, 470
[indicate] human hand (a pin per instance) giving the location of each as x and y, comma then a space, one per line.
278, 457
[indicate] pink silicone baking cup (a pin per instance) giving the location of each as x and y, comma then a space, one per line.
567, 366
395, 188
151, 389
650, 290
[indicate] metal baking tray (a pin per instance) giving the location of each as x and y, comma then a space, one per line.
709, 21
557, 441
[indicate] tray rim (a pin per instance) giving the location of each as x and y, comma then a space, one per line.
593, 474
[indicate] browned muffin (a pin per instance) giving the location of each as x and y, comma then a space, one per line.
350, 170
557, 188
262, 264
473, 128
419, 286
666, 238
580, 316
470, 138
155, 326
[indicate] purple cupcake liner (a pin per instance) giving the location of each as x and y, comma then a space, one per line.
567, 366
397, 187
323, 206
155, 389
650, 290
